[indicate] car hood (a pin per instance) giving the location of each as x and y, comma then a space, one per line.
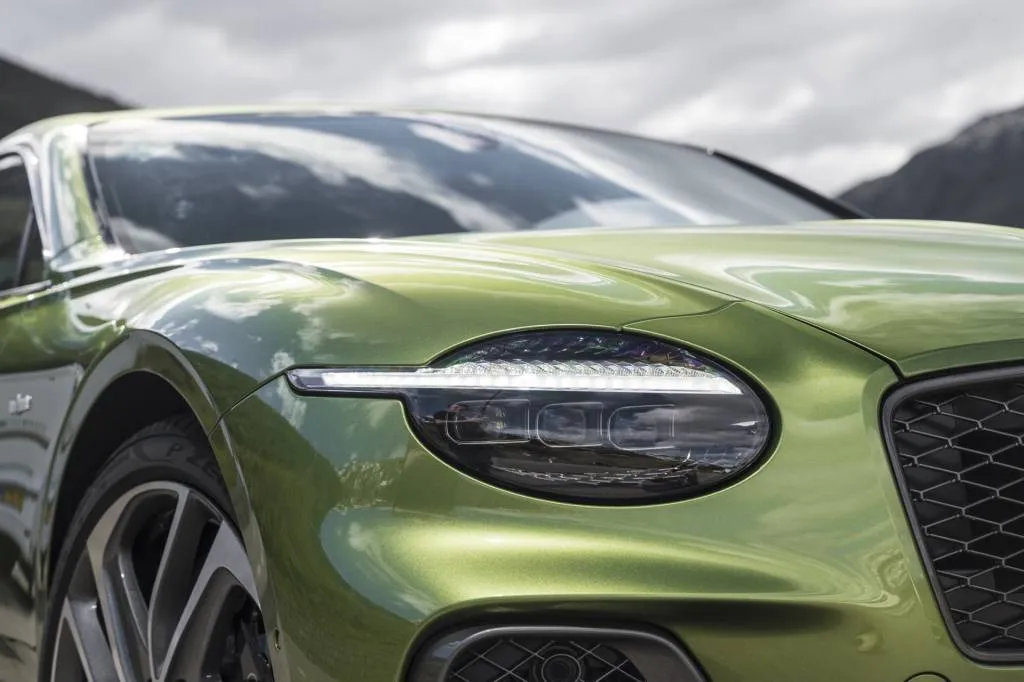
924, 295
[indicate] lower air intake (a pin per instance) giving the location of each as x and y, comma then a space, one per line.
542, 659
546, 654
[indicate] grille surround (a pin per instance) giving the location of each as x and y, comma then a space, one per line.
644, 656
961, 480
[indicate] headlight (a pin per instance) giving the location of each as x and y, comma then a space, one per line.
595, 417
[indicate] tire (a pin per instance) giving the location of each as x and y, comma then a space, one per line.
153, 579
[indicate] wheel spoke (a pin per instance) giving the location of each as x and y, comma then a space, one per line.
80, 645
119, 596
221, 587
129, 633
173, 583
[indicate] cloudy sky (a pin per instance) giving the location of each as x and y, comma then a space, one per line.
826, 91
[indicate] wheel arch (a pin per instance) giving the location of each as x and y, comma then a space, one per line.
106, 410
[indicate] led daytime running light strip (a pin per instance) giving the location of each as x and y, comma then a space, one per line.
599, 376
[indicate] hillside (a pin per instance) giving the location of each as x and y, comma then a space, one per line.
976, 176
27, 95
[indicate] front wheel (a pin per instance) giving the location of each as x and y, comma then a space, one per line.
153, 583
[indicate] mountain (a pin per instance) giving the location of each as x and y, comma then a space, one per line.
977, 176
27, 96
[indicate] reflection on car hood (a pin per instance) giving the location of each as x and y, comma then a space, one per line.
916, 293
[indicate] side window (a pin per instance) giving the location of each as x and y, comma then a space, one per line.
18, 232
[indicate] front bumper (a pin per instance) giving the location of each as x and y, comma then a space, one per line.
367, 545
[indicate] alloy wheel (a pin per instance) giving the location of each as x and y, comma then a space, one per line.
161, 592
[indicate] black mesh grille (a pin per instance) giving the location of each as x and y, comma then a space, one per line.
536, 659
960, 452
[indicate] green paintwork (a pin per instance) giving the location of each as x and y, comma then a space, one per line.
363, 542
810, 554
926, 295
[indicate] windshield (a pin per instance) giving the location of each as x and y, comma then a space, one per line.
202, 180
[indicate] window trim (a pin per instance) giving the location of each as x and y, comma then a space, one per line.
19, 268
10, 159
97, 199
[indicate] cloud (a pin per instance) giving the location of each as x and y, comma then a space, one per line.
826, 92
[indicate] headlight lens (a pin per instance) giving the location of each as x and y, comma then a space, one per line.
597, 417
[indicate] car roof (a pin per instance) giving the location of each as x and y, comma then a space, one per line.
46, 125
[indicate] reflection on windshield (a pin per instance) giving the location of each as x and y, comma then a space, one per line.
243, 177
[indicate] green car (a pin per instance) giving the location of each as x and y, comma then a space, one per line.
322, 395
